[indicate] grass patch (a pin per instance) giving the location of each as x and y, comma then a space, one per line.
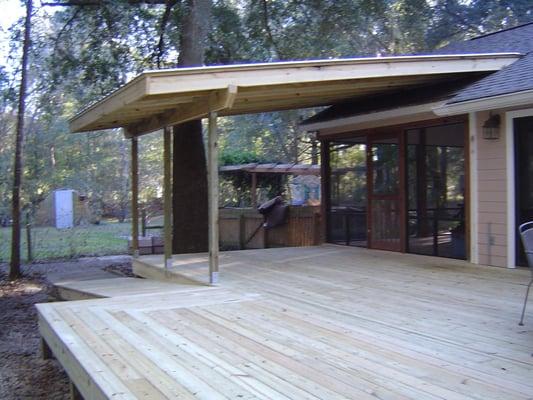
51, 243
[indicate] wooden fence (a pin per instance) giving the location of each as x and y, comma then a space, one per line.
241, 228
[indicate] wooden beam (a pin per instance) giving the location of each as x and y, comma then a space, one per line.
212, 191
167, 193
251, 75
130, 93
135, 197
217, 100
255, 98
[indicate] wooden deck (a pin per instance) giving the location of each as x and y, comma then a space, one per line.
324, 322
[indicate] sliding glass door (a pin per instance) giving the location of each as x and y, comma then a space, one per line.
401, 190
523, 128
436, 191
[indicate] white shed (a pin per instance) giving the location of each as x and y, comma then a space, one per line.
64, 208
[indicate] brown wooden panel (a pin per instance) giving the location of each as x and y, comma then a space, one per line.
385, 228
385, 186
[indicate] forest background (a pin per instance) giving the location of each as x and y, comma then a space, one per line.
82, 50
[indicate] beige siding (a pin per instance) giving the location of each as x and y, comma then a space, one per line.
492, 197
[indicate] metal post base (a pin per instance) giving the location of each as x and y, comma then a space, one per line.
168, 263
213, 278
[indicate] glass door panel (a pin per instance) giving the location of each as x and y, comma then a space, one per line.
347, 212
436, 186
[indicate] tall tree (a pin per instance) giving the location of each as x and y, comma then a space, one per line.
14, 266
189, 163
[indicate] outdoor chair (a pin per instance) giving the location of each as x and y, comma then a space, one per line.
526, 234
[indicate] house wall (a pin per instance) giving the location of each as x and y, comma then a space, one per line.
494, 234
491, 207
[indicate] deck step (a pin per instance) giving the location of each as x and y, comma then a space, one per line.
194, 273
110, 287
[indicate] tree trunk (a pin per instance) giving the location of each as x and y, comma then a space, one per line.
195, 22
14, 268
189, 200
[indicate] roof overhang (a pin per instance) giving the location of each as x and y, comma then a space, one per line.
156, 99
508, 100
379, 118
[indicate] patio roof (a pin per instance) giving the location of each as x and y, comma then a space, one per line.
156, 99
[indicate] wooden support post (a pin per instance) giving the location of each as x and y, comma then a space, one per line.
46, 352
135, 197
242, 231
325, 189
74, 392
317, 233
212, 190
28, 238
254, 190
143, 222
167, 193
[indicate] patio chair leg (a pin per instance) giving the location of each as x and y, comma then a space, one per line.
521, 323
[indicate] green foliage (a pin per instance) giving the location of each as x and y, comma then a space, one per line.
228, 42
236, 157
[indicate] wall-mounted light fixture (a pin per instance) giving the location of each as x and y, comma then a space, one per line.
491, 127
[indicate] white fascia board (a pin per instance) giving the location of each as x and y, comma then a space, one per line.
487, 103
372, 117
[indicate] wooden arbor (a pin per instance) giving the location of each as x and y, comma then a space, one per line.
156, 100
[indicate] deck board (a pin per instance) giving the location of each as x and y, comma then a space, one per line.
305, 323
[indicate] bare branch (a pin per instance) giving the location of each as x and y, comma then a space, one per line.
64, 28
160, 49
267, 28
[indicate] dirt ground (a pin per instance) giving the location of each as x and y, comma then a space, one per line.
23, 372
